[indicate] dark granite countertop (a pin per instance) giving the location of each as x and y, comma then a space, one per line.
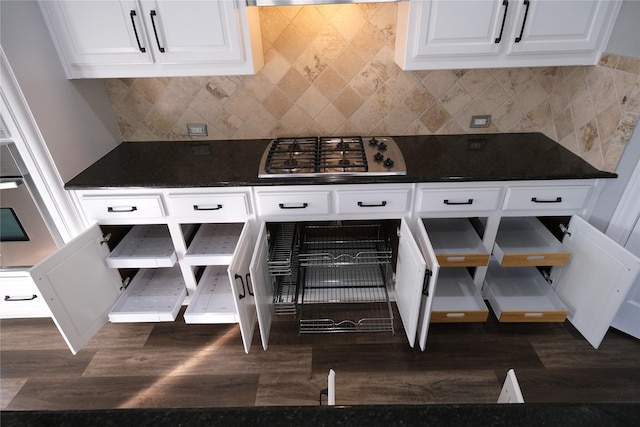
434, 158
508, 415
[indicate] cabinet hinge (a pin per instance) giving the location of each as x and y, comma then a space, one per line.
425, 284
547, 276
564, 229
105, 239
125, 283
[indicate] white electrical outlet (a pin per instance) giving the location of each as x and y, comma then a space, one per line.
480, 121
197, 129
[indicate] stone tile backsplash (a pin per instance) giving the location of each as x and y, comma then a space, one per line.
329, 70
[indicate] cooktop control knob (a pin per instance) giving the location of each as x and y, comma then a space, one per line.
378, 157
388, 163
373, 141
382, 146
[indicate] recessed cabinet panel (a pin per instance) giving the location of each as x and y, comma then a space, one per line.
209, 207
212, 301
522, 295
287, 203
532, 200
380, 201
123, 208
456, 242
457, 299
154, 295
526, 242
458, 200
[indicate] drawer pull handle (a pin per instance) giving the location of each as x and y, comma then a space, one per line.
535, 257
448, 202
505, 3
300, 206
533, 314
122, 209
524, 21
244, 292
213, 208
10, 298
135, 31
456, 258
155, 31
373, 205
248, 278
556, 200
455, 314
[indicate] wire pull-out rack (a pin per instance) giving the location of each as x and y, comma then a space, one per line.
283, 267
344, 271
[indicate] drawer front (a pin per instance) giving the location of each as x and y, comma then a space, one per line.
569, 198
294, 203
533, 259
354, 202
533, 316
21, 298
462, 260
459, 316
209, 206
459, 200
123, 207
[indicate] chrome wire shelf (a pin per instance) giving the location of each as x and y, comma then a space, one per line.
281, 259
337, 245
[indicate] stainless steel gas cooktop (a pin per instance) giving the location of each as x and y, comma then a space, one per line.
332, 156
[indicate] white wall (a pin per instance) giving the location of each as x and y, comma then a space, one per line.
75, 117
625, 37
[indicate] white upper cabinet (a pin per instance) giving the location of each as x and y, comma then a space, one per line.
449, 34
128, 38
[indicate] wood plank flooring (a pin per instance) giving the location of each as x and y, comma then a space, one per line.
178, 365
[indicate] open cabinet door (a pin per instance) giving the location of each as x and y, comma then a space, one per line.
262, 286
241, 286
78, 287
627, 319
410, 270
430, 289
596, 279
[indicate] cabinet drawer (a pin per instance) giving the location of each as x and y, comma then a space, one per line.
212, 301
209, 207
522, 295
294, 203
21, 298
532, 199
526, 242
374, 201
457, 299
458, 200
455, 242
123, 207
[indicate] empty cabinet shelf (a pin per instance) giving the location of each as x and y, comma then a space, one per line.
212, 301
456, 243
457, 299
213, 244
522, 295
154, 295
526, 242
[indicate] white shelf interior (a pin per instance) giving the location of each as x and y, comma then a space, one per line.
214, 244
212, 301
154, 295
519, 289
453, 236
144, 246
525, 235
456, 292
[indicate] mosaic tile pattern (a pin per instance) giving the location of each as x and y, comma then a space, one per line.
329, 70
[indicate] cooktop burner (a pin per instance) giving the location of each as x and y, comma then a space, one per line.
331, 156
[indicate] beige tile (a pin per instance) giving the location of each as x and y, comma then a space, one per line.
546, 77
312, 101
348, 20
625, 128
309, 22
277, 103
262, 121
366, 83
609, 60
294, 121
559, 100
570, 143
626, 84
582, 109
513, 80
632, 105
258, 86
594, 157
576, 83
227, 123
150, 89
275, 66
348, 63
419, 99
439, 82
310, 64
506, 116
329, 43
383, 101
330, 119
530, 96
368, 41
272, 23
403, 83
289, 12
454, 99
476, 81
293, 84
290, 44
492, 97
564, 123
117, 90
608, 120
385, 19
435, 118
329, 83
629, 65
347, 102
541, 115
243, 104
383, 63
398, 119
463, 117
366, 117
603, 90
612, 157
588, 137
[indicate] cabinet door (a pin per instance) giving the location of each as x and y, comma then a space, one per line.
241, 285
410, 274
95, 33
262, 286
458, 27
429, 289
558, 26
596, 280
628, 317
195, 31
78, 287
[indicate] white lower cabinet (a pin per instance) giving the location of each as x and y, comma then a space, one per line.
20, 296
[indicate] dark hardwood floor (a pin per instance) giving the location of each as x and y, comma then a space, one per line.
178, 365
